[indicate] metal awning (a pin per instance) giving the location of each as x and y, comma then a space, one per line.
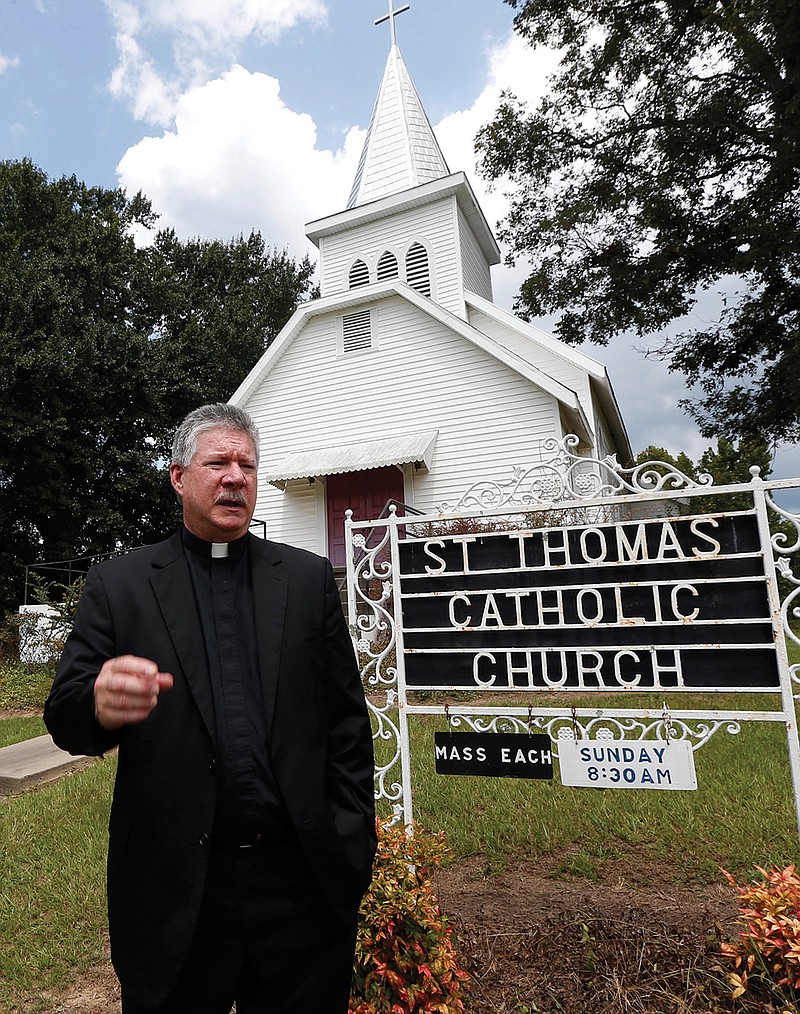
405, 448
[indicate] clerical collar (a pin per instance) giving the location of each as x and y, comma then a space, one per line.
215, 550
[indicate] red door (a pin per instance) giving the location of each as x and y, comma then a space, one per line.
365, 493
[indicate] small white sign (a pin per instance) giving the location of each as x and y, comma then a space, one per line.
627, 764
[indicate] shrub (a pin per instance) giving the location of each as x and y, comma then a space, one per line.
766, 957
405, 959
25, 686
9, 638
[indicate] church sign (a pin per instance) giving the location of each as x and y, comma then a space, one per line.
619, 764
502, 755
671, 604
576, 579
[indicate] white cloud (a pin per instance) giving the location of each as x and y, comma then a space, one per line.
215, 27
7, 62
512, 66
204, 36
237, 159
515, 67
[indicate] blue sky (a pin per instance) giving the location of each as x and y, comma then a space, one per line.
250, 114
57, 59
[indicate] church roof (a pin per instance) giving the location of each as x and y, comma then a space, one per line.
519, 359
400, 150
455, 185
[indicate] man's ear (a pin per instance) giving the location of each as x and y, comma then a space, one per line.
176, 477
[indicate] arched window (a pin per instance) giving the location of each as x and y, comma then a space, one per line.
418, 273
387, 266
359, 275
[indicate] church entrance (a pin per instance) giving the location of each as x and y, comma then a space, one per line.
366, 494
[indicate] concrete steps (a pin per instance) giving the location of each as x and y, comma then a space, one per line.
35, 762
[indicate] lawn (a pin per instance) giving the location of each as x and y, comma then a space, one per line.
53, 840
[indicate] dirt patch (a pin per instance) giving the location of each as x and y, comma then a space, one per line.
97, 992
638, 939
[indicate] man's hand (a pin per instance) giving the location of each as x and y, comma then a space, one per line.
126, 690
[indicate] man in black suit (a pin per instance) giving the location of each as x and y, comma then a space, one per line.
242, 829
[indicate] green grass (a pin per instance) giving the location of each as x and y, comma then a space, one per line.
53, 841
15, 730
741, 814
793, 651
24, 687
52, 885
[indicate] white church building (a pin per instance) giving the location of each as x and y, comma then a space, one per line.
404, 380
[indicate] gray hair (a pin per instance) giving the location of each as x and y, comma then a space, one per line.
221, 416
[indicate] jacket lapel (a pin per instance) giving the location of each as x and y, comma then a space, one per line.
172, 585
269, 597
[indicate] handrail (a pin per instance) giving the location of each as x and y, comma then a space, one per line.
384, 512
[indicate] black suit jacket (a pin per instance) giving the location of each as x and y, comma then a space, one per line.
318, 737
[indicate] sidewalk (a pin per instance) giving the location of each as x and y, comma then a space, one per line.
35, 762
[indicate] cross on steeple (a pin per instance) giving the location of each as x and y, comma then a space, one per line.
391, 16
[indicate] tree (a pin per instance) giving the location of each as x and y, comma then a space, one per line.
73, 373
664, 161
212, 309
103, 348
727, 464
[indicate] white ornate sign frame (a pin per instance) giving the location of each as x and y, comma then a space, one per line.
564, 480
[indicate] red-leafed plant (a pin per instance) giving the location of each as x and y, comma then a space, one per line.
766, 957
405, 959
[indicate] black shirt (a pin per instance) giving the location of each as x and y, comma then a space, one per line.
248, 799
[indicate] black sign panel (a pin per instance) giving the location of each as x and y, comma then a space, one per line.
658, 604
498, 755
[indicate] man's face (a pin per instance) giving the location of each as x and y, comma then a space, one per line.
218, 486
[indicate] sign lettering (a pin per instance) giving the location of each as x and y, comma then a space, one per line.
663, 604
620, 764
500, 755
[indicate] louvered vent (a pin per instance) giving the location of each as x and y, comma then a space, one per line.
359, 275
418, 273
387, 266
356, 331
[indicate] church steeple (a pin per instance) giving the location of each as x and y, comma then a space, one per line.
408, 218
400, 150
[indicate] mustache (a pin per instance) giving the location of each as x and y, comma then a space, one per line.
234, 497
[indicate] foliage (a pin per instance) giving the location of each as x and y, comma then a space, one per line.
405, 959
663, 161
766, 956
24, 686
729, 464
62, 598
212, 309
73, 372
38, 636
9, 638
104, 347
42, 633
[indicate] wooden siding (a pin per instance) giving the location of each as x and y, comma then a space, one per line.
475, 269
558, 367
605, 442
434, 225
291, 515
422, 376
